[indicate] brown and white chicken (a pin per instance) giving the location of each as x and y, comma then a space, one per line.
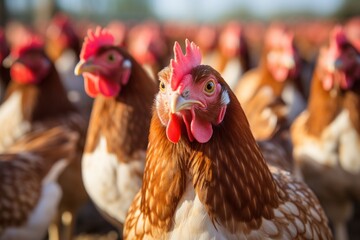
326, 136
113, 161
352, 29
30, 192
63, 47
205, 177
233, 53
36, 99
147, 44
279, 70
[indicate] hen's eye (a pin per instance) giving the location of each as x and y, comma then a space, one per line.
111, 57
162, 86
209, 87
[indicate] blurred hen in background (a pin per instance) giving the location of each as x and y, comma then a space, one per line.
63, 48
148, 45
234, 56
29, 174
36, 99
326, 136
114, 156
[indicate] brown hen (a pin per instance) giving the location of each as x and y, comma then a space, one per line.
205, 177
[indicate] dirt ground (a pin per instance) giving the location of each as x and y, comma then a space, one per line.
90, 225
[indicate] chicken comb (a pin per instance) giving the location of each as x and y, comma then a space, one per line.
338, 40
338, 36
30, 42
95, 40
182, 64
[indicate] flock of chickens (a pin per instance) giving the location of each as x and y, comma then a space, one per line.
197, 132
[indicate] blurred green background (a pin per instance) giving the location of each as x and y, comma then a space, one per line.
102, 11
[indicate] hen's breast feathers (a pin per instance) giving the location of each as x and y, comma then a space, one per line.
113, 163
12, 120
251, 201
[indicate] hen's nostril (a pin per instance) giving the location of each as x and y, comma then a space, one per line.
185, 94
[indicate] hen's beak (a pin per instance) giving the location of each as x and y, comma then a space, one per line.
84, 66
8, 61
178, 103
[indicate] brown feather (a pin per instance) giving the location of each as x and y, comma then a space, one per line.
47, 99
228, 173
124, 120
23, 168
322, 106
352, 103
45, 105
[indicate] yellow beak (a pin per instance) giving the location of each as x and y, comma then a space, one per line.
84, 66
178, 103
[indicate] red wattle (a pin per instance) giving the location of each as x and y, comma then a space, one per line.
173, 129
90, 87
108, 88
94, 85
22, 74
201, 130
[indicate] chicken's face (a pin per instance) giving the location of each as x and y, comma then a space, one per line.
339, 62
231, 40
28, 62
282, 58
196, 100
103, 66
60, 36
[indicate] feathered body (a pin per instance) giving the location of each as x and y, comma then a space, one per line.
36, 99
198, 187
234, 56
326, 135
278, 70
148, 45
63, 47
113, 161
28, 176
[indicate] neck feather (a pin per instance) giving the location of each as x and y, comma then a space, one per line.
228, 173
124, 120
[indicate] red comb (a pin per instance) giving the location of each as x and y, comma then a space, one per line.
338, 36
29, 42
182, 64
95, 40
338, 40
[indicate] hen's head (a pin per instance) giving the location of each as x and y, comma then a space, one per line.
28, 62
339, 63
206, 37
282, 58
103, 65
352, 29
232, 41
61, 35
146, 43
191, 95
